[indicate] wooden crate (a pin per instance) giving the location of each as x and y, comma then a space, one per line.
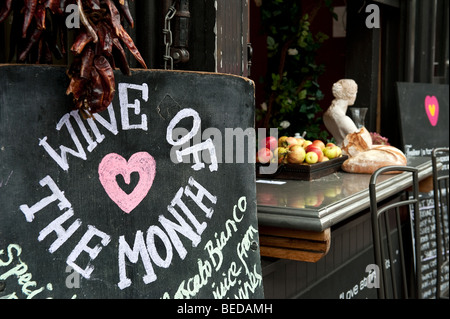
305, 172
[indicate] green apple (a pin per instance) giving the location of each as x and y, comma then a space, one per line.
282, 141
280, 153
331, 151
311, 158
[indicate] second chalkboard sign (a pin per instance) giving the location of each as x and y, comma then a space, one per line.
425, 125
135, 202
424, 117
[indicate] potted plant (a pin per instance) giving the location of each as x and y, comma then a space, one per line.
292, 89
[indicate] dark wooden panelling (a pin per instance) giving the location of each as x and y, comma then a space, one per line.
232, 37
350, 243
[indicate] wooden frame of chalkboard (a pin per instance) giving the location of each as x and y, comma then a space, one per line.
134, 202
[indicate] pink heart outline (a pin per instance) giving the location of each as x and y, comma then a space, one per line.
429, 101
113, 164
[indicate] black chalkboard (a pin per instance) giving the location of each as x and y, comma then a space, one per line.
428, 242
424, 119
135, 203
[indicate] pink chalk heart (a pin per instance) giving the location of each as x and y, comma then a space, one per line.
114, 164
432, 109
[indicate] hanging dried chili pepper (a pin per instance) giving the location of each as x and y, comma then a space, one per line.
97, 49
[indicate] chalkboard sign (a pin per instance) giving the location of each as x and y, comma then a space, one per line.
425, 126
137, 202
428, 245
424, 117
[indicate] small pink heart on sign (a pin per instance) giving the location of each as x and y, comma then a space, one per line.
432, 109
114, 164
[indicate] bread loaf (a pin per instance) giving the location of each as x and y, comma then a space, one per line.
369, 161
355, 143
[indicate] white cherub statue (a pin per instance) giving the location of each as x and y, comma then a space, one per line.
335, 118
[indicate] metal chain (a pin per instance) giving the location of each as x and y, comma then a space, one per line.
168, 36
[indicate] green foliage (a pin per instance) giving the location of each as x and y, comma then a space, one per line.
292, 88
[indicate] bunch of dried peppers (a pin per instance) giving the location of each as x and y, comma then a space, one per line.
38, 29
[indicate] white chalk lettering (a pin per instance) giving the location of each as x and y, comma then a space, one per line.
156, 257
124, 106
110, 126
57, 194
199, 227
197, 149
92, 252
79, 152
61, 233
133, 256
184, 113
198, 199
168, 233
62, 159
181, 225
183, 228
91, 144
231, 275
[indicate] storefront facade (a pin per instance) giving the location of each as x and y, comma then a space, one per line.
391, 41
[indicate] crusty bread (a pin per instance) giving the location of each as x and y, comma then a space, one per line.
355, 143
370, 160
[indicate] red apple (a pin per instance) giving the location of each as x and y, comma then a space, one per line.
300, 140
316, 149
311, 158
296, 154
269, 142
291, 141
319, 143
264, 155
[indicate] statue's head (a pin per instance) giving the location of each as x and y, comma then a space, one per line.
345, 89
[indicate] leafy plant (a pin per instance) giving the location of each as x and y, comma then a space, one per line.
292, 88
